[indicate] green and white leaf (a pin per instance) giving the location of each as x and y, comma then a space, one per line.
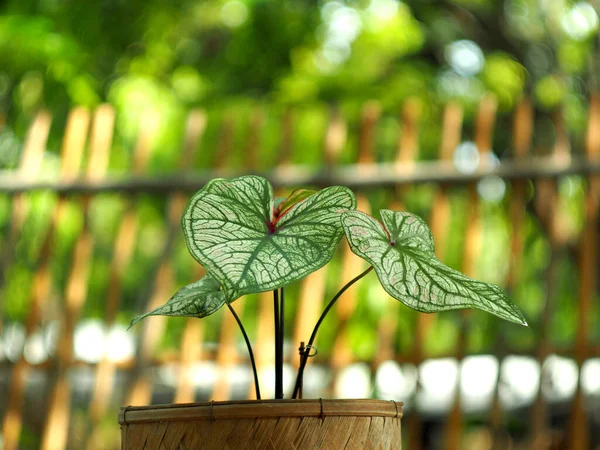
402, 253
198, 299
230, 229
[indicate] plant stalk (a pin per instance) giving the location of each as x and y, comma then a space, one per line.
308, 348
250, 352
281, 336
278, 346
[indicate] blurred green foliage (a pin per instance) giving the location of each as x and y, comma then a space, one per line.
243, 59
172, 55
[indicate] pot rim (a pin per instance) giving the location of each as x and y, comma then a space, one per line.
245, 409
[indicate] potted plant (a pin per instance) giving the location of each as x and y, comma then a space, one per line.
250, 242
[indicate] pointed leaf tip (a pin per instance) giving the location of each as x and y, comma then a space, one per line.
402, 252
199, 299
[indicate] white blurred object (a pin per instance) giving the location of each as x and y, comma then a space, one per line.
466, 157
478, 375
89, 340
438, 378
580, 22
119, 344
590, 376
465, 57
315, 381
491, 189
204, 374
354, 381
13, 340
561, 378
395, 382
35, 349
520, 379
51, 336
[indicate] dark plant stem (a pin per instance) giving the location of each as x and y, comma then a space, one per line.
278, 346
250, 352
281, 335
308, 348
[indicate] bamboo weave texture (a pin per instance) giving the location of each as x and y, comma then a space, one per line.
350, 431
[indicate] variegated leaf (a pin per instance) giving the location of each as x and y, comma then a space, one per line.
198, 299
230, 229
402, 253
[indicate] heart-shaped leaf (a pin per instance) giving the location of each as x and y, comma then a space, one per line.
230, 229
199, 299
401, 251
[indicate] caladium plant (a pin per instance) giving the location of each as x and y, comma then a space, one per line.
251, 242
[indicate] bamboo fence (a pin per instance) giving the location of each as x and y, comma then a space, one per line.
64, 419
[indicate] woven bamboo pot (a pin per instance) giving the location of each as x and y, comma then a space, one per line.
267, 424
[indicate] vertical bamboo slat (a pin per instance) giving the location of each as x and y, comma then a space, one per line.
191, 352
588, 278
100, 144
440, 214
547, 199
122, 253
140, 392
523, 131
263, 346
310, 306
126, 234
335, 138
352, 265
408, 144
223, 150
227, 353
29, 166
484, 127
341, 355
56, 428
310, 299
366, 140
31, 158
451, 136
194, 329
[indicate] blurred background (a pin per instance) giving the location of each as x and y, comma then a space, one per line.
481, 116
